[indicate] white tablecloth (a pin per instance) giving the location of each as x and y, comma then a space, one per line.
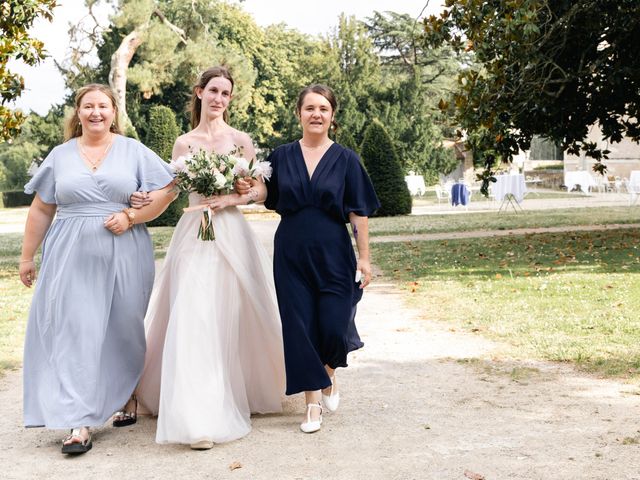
634, 181
415, 183
579, 177
505, 184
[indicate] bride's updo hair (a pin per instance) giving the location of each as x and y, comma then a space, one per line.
196, 103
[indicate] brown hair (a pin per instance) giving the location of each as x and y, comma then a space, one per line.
326, 92
196, 103
73, 127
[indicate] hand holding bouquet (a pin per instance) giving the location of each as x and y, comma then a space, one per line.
208, 174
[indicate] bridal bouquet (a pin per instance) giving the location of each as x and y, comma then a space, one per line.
208, 173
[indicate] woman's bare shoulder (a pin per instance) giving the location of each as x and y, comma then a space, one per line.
239, 136
184, 144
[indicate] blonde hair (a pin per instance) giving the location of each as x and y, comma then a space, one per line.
196, 103
73, 127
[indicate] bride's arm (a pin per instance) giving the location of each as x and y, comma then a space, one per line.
256, 194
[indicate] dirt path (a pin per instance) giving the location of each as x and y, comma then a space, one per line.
419, 402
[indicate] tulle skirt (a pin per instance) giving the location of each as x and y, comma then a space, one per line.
214, 341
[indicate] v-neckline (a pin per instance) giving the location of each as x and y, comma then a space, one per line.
104, 160
304, 163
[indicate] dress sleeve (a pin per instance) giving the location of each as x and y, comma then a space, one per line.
153, 172
272, 184
359, 195
43, 181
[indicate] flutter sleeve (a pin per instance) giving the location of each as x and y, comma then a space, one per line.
43, 181
359, 195
271, 201
153, 172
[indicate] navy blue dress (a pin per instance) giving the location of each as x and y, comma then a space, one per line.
314, 261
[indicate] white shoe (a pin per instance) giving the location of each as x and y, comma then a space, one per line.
332, 400
312, 426
202, 445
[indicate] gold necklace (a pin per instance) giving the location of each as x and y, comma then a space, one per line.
316, 147
95, 164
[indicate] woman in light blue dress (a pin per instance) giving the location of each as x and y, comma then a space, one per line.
85, 345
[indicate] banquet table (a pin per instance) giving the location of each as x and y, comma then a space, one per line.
509, 188
579, 177
509, 184
415, 184
634, 186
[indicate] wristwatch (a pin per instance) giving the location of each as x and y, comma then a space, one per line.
131, 215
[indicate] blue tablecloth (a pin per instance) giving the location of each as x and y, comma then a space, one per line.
459, 194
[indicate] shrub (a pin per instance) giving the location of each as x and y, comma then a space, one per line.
346, 140
161, 135
16, 198
381, 161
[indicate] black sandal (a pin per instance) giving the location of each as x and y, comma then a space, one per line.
76, 448
123, 418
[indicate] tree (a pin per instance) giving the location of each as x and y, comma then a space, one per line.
398, 41
379, 157
37, 138
162, 132
548, 68
16, 18
161, 135
346, 140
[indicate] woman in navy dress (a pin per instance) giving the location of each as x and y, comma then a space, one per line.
84, 346
317, 187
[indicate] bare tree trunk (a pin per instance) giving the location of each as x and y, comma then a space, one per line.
118, 73
122, 57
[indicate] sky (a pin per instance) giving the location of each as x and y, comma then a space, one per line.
44, 86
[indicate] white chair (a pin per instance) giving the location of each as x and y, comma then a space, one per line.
441, 194
619, 184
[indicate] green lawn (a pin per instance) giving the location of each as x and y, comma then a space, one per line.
470, 221
571, 297
15, 298
14, 302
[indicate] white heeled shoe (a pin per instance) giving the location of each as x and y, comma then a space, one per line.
202, 445
312, 426
332, 400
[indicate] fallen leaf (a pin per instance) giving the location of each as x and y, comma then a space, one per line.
498, 275
235, 466
473, 476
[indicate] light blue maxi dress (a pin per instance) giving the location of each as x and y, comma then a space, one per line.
85, 344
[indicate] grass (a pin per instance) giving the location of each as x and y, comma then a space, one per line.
161, 237
417, 224
15, 299
571, 297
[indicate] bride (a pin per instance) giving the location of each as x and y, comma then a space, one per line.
214, 341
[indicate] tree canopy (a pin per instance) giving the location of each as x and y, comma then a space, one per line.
552, 68
16, 18
152, 51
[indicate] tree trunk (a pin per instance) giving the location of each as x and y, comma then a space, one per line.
118, 74
120, 63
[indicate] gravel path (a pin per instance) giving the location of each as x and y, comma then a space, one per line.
420, 401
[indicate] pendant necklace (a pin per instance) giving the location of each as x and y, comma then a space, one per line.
96, 164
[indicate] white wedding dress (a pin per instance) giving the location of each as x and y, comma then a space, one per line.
214, 339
